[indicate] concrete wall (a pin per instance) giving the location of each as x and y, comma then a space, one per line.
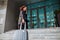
2, 16
10, 16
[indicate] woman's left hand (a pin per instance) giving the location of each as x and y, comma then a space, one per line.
23, 21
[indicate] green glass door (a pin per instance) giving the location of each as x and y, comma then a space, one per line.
37, 18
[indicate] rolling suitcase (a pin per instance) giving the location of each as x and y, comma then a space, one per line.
20, 34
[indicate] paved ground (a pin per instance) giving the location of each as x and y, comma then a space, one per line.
7, 35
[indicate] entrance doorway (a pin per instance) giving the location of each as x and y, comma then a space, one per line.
37, 17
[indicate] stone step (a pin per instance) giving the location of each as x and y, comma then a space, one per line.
35, 34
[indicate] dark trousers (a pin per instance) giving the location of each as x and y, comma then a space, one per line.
23, 24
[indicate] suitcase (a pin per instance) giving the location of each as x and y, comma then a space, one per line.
20, 34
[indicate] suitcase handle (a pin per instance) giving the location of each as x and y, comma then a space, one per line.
21, 22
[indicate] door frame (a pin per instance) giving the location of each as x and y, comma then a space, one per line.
44, 8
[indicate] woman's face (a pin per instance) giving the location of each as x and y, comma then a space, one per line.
25, 8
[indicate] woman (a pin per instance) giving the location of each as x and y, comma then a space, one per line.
23, 15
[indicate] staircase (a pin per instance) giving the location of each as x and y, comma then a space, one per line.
35, 34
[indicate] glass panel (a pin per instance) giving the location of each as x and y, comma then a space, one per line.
42, 18
50, 17
34, 18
